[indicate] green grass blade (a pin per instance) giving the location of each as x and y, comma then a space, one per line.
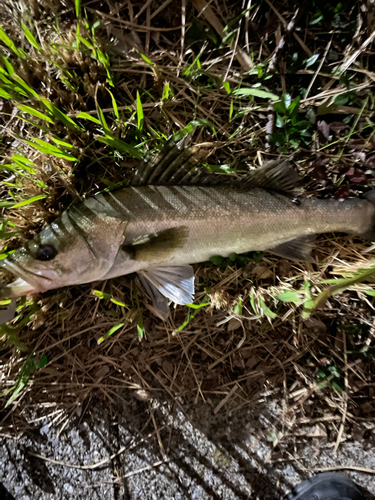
30, 37
46, 148
8, 42
140, 116
114, 104
59, 142
110, 332
29, 201
12, 204
103, 120
8, 66
4, 94
255, 93
87, 116
78, 8
121, 146
34, 112
25, 86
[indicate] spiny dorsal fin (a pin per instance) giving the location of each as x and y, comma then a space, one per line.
176, 165
173, 165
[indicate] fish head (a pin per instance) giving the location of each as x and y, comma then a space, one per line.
79, 247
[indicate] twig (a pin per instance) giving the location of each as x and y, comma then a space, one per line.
319, 68
344, 467
354, 56
344, 397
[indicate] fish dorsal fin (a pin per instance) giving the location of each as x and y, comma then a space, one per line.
177, 165
173, 165
277, 175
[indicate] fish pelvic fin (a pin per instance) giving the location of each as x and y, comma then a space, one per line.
297, 249
171, 282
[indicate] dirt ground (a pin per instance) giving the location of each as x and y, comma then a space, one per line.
130, 452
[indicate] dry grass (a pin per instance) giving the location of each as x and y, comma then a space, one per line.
246, 345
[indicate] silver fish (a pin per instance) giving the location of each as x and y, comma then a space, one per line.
173, 215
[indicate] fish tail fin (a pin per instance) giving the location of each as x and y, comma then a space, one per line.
370, 233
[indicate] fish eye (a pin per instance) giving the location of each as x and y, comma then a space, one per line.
46, 252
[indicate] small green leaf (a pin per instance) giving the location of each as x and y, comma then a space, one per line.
311, 60
255, 93
101, 294
238, 307
110, 332
140, 327
286, 100
140, 116
118, 303
148, 61
266, 310
290, 296
226, 85
165, 91
198, 306
30, 37
217, 260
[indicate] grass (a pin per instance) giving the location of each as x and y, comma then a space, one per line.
85, 94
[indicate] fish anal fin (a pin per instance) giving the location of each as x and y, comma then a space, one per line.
173, 282
298, 249
158, 245
277, 175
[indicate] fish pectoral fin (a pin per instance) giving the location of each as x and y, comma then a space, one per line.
297, 249
158, 245
277, 175
173, 282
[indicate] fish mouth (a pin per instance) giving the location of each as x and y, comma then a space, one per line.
27, 282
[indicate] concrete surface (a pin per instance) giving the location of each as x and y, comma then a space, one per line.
161, 452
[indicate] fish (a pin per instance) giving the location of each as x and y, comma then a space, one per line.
173, 214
